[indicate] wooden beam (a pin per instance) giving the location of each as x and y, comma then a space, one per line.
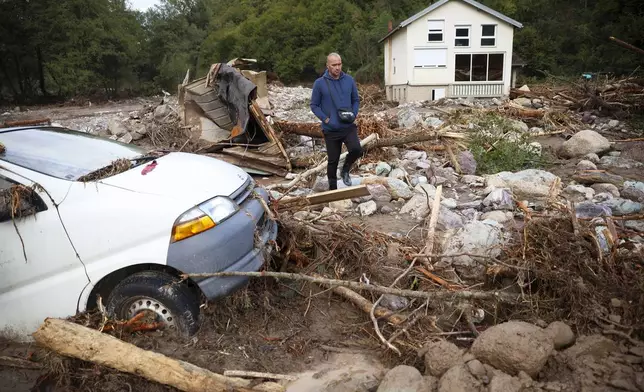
329, 196
251, 163
256, 111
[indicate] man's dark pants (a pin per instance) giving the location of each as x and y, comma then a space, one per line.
334, 140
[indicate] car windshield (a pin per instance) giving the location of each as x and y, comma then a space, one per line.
62, 153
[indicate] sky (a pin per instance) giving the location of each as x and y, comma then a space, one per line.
143, 5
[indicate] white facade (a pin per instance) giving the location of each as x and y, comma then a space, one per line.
456, 48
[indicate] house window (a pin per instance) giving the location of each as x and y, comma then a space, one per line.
488, 35
436, 30
479, 67
462, 36
430, 58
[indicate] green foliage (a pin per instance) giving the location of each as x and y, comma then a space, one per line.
69, 47
509, 149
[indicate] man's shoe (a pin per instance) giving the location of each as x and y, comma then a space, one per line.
346, 178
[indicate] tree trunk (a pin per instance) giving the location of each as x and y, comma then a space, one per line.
41, 71
87, 344
3, 68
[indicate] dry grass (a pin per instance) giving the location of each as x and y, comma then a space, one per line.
114, 168
564, 278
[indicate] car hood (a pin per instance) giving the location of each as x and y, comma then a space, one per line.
182, 176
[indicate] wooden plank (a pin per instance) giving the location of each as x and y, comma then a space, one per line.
251, 163
256, 111
329, 196
244, 153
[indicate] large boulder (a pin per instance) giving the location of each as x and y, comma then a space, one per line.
530, 184
514, 346
584, 142
477, 237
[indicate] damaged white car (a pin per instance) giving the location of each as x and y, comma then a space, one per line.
83, 217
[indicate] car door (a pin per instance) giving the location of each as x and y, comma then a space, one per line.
40, 274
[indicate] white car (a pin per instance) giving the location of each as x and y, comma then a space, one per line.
123, 236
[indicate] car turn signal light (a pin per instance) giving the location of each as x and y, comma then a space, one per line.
192, 227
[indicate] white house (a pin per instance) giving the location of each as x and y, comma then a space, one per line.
453, 48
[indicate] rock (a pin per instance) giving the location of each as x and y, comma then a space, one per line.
514, 346
600, 197
477, 369
116, 127
592, 210
505, 383
636, 225
622, 382
394, 302
379, 193
615, 153
590, 177
525, 102
161, 112
344, 373
498, 216
408, 118
578, 193
499, 199
127, 138
290, 176
422, 180
613, 123
397, 188
592, 157
433, 122
473, 180
368, 208
596, 346
476, 237
382, 169
138, 130
402, 379
524, 88
413, 155
341, 205
561, 334
615, 303
633, 191
586, 165
584, 142
449, 203
135, 115
467, 162
448, 219
606, 188
519, 126
621, 207
304, 215
397, 173
619, 162
386, 210
531, 184
423, 165
458, 379
440, 356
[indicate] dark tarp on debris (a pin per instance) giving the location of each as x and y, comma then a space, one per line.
235, 91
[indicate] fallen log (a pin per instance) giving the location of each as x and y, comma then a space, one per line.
596, 177
416, 137
434, 295
303, 129
77, 341
366, 305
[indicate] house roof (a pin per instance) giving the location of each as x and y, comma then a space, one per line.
432, 7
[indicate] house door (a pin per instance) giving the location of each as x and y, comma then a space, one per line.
40, 275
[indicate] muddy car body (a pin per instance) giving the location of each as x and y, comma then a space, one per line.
95, 232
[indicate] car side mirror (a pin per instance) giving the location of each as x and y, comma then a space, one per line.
19, 201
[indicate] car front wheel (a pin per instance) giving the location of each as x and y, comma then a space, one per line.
160, 296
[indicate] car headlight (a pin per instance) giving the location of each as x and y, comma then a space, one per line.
203, 217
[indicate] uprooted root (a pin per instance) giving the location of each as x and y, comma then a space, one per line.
564, 278
114, 168
16, 202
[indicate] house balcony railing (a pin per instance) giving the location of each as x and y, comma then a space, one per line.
476, 90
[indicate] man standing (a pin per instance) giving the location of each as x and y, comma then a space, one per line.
335, 102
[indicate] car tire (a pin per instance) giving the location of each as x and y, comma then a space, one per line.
170, 301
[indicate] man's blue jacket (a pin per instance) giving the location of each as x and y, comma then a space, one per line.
345, 93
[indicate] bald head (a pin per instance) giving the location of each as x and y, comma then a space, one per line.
334, 65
